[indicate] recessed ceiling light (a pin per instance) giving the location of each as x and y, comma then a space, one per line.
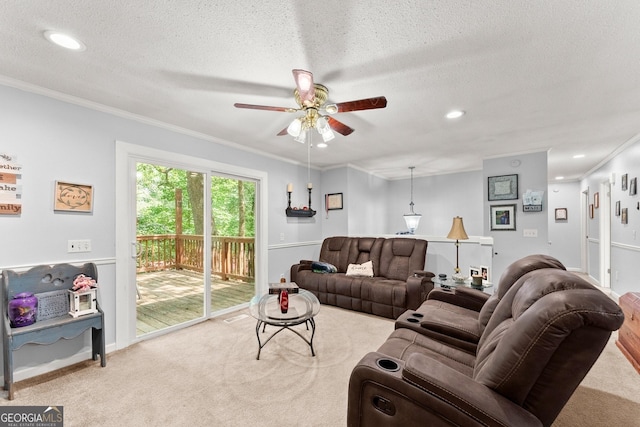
455, 114
64, 40
558, 178
578, 156
321, 145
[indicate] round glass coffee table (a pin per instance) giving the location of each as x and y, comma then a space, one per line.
303, 307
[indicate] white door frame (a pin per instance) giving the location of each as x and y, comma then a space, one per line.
126, 157
605, 233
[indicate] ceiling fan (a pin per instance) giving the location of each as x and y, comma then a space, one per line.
311, 99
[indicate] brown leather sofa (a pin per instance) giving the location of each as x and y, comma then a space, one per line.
458, 316
540, 341
399, 282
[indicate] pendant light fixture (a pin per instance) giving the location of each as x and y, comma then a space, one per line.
412, 219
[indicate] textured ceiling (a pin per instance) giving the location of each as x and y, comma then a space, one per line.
562, 76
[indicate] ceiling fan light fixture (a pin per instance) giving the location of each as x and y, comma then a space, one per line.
295, 128
327, 135
302, 137
331, 109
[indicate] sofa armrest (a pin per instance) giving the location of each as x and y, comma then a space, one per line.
423, 391
303, 265
468, 298
418, 287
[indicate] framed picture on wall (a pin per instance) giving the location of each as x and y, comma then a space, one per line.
596, 200
633, 187
334, 201
561, 214
623, 181
591, 211
504, 187
69, 197
624, 217
503, 217
618, 208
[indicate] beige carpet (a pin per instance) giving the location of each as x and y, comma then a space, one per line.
208, 375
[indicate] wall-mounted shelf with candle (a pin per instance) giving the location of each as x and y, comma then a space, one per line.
305, 212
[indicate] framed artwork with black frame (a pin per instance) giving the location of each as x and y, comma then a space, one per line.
334, 201
633, 187
618, 208
503, 187
623, 182
503, 217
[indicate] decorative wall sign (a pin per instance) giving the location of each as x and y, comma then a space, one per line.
503, 217
561, 214
532, 201
504, 187
73, 197
10, 185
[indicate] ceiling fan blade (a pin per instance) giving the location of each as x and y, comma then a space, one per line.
339, 127
265, 107
362, 104
306, 88
283, 132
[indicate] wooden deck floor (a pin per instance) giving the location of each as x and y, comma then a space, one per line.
171, 297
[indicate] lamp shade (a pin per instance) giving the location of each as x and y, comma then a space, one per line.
412, 220
457, 230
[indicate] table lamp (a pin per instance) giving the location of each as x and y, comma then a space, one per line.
457, 232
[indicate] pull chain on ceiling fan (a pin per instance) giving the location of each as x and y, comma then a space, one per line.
311, 98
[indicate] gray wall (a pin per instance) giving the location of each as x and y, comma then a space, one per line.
625, 238
532, 175
565, 235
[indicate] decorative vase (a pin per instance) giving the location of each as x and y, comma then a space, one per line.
23, 309
284, 301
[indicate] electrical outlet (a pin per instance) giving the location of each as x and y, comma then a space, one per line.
79, 245
530, 232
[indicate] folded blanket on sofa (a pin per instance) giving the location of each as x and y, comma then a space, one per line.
323, 267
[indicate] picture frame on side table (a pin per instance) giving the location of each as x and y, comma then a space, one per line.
561, 214
503, 187
503, 217
69, 197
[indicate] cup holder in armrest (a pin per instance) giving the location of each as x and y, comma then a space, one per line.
388, 365
413, 320
418, 315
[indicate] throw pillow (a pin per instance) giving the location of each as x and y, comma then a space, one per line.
364, 269
323, 267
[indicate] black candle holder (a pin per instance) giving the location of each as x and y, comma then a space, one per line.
299, 213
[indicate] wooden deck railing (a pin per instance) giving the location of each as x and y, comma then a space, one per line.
231, 257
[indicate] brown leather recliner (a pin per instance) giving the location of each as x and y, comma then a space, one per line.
458, 317
541, 340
